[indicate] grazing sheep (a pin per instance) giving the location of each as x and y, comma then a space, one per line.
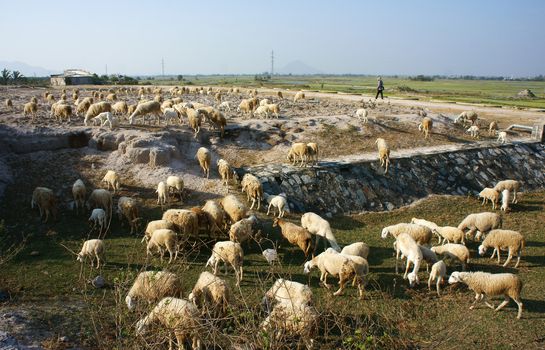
383, 153
225, 171
253, 188
271, 255
449, 234
120, 108
91, 249
312, 152
428, 255
489, 194
205, 159
358, 249
511, 185
273, 108
407, 246
60, 111
262, 111
279, 202
245, 107
480, 223
83, 106
176, 184
46, 201
218, 121
295, 234
438, 273
241, 230
180, 317
299, 96
194, 120
421, 234
502, 137
320, 228
156, 225
361, 114
144, 108
98, 217
211, 294
162, 193
112, 179
287, 321
279, 94
492, 128
509, 240
429, 224
288, 293
466, 117
229, 253
490, 284
225, 106
186, 221
111, 97
128, 208
360, 265
31, 109
216, 216
425, 126
505, 197
234, 208
79, 191
454, 252
101, 198
163, 239
298, 150
151, 286
473, 131
171, 114
95, 109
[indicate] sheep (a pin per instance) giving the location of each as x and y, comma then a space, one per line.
271, 255
180, 317
151, 286
361, 114
162, 193
490, 194
176, 184
336, 265
428, 255
480, 223
505, 195
120, 108
215, 214
473, 131
106, 118
217, 119
466, 116
490, 284
262, 111
295, 234
171, 114
288, 293
229, 253
425, 127
273, 108
509, 240
449, 234
312, 152
150, 107
406, 245
279, 202
383, 153
50, 99
241, 230
358, 249
184, 220
31, 109
91, 249
421, 234
46, 201
454, 252
502, 137
511, 185
438, 273
298, 96
234, 208
112, 179
211, 294
78, 192
131, 109
128, 208
360, 264
225, 171
98, 217
95, 109
264, 102
194, 120
8, 103
279, 94
205, 159
253, 188
61, 110
111, 97
225, 106
244, 107
492, 128
156, 225
429, 224
298, 150
287, 321
161, 239
320, 228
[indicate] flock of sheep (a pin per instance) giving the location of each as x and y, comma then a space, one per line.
289, 303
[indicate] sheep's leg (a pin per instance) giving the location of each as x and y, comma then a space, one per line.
429, 281
519, 304
485, 300
509, 257
439, 280
518, 258
493, 254
397, 259
477, 298
269, 209
342, 282
498, 251
514, 197
407, 269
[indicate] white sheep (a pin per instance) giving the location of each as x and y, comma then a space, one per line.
225, 171
358, 249
98, 217
505, 198
78, 192
319, 227
421, 234
465, 117
95, 109
287, 292
225, 106
511, 185
299, 96
489, 194
162, 193
502, 137
407, 246
112, 179
211, 294
234, 208
176, 184
262, 111
361, 266
91, 249
205, 159
107, 118
185, 221
383, 153
449, 234
152, 286
163, 239
488, 284
279, 202
287, 321
298, 150
473, 131
253, 188
480, 223
296, 235
454, 251
156, 225
144, 108
216, 216
271, 255
361, 114
180, 317
101, 198
438, 273
429, 224
229, 253
46, 201
128, 208
241, 230
171, 114
509, 240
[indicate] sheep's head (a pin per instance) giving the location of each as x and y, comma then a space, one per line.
384, 233
211, 261
79, 257
413, 279
309, 265
482, 249
331, 250
455, 278
130, 302
141, 326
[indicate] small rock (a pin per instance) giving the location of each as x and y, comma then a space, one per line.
34, 253
98, 282
63, 339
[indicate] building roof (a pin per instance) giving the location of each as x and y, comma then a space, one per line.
71, 73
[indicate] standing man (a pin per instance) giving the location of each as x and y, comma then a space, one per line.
380, 88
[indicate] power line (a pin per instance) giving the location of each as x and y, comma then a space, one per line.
162, 67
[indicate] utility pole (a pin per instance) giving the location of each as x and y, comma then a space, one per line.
106, 69
163, 67
272, 63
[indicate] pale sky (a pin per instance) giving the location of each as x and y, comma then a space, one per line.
479, 37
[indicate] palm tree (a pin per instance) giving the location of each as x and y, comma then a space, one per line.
6, 75
16, 75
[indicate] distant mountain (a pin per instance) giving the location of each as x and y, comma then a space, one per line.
298, 68
26, 69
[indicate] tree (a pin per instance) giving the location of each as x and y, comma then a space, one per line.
180, 77
6, 76
16, 76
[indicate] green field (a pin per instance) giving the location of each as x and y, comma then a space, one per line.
391, 315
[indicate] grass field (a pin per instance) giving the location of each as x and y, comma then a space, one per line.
390, 316
489, 92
